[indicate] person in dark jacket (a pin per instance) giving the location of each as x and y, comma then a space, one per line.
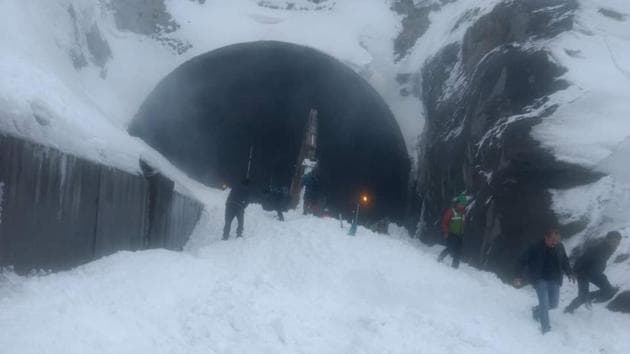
312, 190
545, 262
453, 230
277, 199
589, 268
235, 206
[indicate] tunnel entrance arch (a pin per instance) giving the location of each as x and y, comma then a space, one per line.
206, 114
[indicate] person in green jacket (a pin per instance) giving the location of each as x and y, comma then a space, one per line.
453, 222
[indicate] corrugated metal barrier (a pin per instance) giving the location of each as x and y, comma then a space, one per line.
58, 211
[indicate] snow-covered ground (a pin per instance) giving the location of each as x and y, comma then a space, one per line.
302, 286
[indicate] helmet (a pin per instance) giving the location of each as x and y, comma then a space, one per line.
461, 199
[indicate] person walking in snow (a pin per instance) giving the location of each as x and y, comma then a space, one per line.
235, 206
545, 262
312, 190
277, 199
589, 268
453, 222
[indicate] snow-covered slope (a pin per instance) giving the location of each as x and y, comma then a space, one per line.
46, 97
593, 127
74, 72
298, 286
527, 108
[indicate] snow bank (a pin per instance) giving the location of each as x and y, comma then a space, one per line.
592, 119
298, 286
45, 99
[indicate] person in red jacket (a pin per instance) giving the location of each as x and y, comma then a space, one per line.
453, 230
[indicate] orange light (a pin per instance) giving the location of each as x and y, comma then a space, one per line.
364, 198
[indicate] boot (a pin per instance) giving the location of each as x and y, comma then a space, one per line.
535, 314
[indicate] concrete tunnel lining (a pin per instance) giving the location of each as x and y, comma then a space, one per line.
206, 114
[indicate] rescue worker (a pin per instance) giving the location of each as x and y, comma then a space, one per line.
453, 222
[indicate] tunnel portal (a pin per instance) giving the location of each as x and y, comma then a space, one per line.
206, 114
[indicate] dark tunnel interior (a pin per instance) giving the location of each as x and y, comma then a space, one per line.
205, 115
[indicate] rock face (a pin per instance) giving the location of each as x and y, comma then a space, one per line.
621, 303
483, 97
207, 114
97, 50
149, 18
415, 23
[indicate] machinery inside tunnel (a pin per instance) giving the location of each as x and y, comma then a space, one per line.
207, 114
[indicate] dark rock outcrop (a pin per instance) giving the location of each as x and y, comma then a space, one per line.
613, 14
477, 134
150, 18
88, 43
622, 258
621, 303
415, 23
98, 46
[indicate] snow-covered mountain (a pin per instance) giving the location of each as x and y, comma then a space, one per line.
527, 110
524, 104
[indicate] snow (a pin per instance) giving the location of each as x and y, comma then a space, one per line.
298, 286
85, 113
43, 98
591, 126
587, 128
301, 285
87, 110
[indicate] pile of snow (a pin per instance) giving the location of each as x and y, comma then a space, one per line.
298, 286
